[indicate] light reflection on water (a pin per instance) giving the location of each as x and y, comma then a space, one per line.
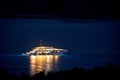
44, 63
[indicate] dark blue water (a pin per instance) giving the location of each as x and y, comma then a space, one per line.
16, 64
89, 44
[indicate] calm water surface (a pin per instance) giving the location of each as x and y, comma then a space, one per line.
89, 44
16, 64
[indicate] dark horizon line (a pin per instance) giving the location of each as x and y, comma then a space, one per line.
61, 18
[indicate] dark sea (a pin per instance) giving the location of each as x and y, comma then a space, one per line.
89, 44
16, 64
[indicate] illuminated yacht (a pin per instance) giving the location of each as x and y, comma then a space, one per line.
45, 50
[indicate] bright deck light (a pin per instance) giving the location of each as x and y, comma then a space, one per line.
45, 50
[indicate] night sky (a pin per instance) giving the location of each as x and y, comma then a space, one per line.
77, 9
21, 35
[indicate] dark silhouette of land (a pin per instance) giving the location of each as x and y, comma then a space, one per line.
68, 9
109, 72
